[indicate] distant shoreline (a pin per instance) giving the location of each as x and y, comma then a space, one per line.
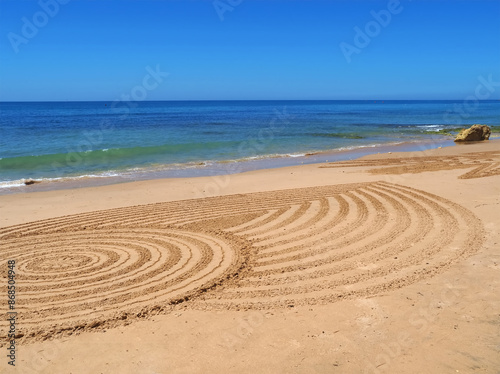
76, 144
254, 100
223, 168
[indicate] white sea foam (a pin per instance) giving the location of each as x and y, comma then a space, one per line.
21, 182
11, 184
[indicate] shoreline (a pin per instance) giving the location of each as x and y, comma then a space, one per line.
220, 168
393, 250
30, 204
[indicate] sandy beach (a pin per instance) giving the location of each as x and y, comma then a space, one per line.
385, 264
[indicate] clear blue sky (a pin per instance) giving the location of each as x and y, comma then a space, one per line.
99, 50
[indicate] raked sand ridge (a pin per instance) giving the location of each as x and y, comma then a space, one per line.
334, 262
260, 250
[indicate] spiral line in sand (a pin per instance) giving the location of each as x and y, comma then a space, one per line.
81, 279
260, 250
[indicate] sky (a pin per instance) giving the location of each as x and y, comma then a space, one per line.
86, 50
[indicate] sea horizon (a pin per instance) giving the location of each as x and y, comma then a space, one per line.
216, 100
96, 142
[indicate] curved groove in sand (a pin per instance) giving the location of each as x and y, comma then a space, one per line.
485, 164
261, 250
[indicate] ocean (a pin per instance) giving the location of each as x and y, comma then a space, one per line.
54, 142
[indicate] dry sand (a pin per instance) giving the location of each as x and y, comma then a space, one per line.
387, 264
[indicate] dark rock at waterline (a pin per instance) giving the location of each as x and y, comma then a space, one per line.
30, 181
474, 133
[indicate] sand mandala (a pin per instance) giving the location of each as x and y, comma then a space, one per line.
254, 251
484, 164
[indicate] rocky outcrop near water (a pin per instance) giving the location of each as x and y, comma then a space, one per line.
474, 133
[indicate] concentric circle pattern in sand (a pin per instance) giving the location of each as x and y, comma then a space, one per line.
260, 250
83, 278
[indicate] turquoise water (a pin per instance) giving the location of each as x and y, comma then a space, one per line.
61, 140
